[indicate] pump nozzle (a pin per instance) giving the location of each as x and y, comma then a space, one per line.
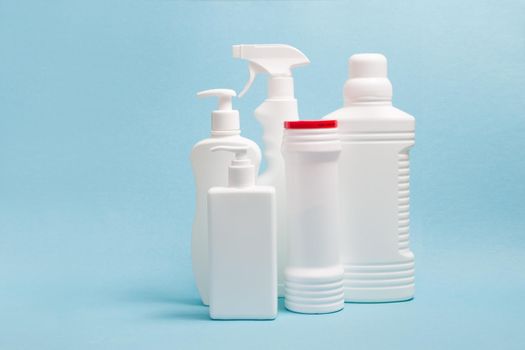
274, 59
224, 118
241, 171
224, 95
241, 153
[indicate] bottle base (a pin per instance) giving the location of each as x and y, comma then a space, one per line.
383, 295
314, 309
314, 295
379, 283
257, 317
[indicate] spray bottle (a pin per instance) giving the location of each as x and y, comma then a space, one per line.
280, 105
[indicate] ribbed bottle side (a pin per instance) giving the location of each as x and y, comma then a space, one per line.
310, 296
403, 200
385, 281
375, 136
379, 275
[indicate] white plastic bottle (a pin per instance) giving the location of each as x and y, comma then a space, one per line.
374, 186
211, 169
242, 237
314, 273
278, 61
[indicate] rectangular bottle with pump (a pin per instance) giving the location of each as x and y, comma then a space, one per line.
242, 245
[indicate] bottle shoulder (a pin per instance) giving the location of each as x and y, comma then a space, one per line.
241, 191
214, 141
207, 144
373, 118
369, 112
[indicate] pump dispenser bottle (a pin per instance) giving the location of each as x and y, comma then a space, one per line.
374, 186
210, 169
242, 244
277, 61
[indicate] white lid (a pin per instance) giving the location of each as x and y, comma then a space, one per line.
224, 118
241, 172
368, 79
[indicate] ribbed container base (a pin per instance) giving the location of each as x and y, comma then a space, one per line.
379, 283
311, 296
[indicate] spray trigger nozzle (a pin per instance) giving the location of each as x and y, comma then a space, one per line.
254, 69
275, 59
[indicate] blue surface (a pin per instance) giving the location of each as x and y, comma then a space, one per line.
98, 115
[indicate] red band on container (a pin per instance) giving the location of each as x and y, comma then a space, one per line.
310, 124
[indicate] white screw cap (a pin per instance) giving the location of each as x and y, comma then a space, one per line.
368, 79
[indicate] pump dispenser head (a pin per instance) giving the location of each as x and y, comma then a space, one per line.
224, 118
241, 171
274, 59
368, 79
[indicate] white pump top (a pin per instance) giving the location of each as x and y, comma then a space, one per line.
241, 172
224, 118
368, 79
274, 59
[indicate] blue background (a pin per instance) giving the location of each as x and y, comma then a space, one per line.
98, 115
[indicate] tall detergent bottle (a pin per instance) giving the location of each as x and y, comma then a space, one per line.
277, 61
374, 186
210, 169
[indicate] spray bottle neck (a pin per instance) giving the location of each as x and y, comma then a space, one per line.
280, 88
